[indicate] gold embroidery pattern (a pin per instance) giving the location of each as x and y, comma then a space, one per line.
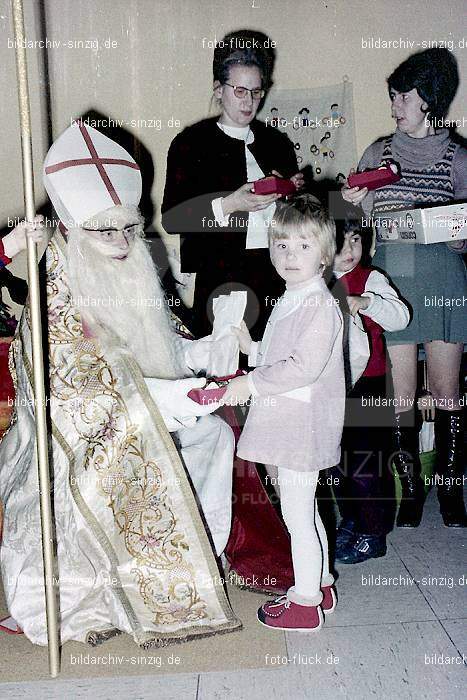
64, 321
12, 355
133, 485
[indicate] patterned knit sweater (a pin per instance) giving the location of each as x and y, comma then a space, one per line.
434, 171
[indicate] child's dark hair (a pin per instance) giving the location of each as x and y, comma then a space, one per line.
244, 47
435, 76
352, 219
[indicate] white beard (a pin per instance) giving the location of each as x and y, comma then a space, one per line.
123, 303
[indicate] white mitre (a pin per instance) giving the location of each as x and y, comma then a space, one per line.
86, 173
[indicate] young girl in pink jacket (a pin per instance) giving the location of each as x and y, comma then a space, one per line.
297, 402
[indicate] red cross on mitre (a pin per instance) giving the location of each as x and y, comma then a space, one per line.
110, 176
96, 160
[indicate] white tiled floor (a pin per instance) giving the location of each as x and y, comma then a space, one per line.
179, 687
389, 641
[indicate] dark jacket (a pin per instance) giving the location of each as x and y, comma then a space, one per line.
204, 163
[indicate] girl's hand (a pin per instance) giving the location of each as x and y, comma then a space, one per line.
354, 195
244, 337
244, 199
16, 241
297, 179
238, 392
357, 304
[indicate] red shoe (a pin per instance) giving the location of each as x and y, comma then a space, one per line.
329, 602
283, 614
10, 626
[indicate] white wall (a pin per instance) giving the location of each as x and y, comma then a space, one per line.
159, 69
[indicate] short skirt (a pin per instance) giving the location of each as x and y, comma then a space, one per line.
432, 280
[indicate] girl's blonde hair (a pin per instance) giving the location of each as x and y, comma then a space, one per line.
305, 216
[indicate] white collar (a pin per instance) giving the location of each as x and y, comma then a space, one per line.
302, 289
242, 133
293, 297
338, 275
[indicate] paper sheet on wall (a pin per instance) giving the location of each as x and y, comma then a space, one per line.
320, 123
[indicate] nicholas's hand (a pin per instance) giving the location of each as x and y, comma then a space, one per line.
176, 408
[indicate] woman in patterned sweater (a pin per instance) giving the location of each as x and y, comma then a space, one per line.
433, 168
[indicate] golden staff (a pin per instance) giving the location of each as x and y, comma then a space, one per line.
36, 334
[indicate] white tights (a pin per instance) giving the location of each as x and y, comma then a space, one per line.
309, 541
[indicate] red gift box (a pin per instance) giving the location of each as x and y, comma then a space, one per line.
208, 396
373, 179
274, 185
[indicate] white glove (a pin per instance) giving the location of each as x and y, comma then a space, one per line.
196, 352
16, 241
177, 410
214, 357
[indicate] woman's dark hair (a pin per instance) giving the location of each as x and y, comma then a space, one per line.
352, 220
244, 47
435, 76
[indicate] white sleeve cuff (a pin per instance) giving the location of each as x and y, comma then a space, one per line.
386, 308
251, 385
196, 353
218, 212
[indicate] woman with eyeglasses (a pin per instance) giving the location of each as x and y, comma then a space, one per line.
208, 196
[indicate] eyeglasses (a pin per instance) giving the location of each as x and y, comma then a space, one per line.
111, 235
240, 91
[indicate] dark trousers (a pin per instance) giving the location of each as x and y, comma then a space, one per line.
252, 272
365, 488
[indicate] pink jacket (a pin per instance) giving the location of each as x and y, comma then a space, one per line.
297, 405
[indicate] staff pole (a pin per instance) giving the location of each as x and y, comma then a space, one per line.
36, 335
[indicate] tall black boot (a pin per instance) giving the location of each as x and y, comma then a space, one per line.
408, 466
449, 437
